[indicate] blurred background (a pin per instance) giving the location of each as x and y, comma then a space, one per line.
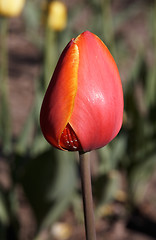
40, 190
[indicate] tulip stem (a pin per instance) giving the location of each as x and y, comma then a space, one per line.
5, 121
49, 54
87, 196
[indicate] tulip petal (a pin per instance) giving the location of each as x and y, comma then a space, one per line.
98, 108
58, 102
69, 140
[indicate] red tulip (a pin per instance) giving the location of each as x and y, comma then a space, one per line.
83, 107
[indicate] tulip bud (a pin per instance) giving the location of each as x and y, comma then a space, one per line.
57, 16
83, 107
11, 8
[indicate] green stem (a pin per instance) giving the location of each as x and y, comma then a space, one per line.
4, 108
107, 25
49, 54
87, 196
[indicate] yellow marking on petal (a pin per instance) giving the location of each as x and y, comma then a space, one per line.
70, 86
58, 103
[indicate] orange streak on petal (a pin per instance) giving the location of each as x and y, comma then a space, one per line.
58, 103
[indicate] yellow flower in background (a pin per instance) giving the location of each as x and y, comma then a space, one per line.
11, 8
61, 231
57, 15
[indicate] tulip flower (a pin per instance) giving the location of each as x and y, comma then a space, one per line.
11, 8
57, 16
83, 107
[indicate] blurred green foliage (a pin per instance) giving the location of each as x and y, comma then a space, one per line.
50, 177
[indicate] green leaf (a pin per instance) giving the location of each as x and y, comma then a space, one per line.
49, 180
